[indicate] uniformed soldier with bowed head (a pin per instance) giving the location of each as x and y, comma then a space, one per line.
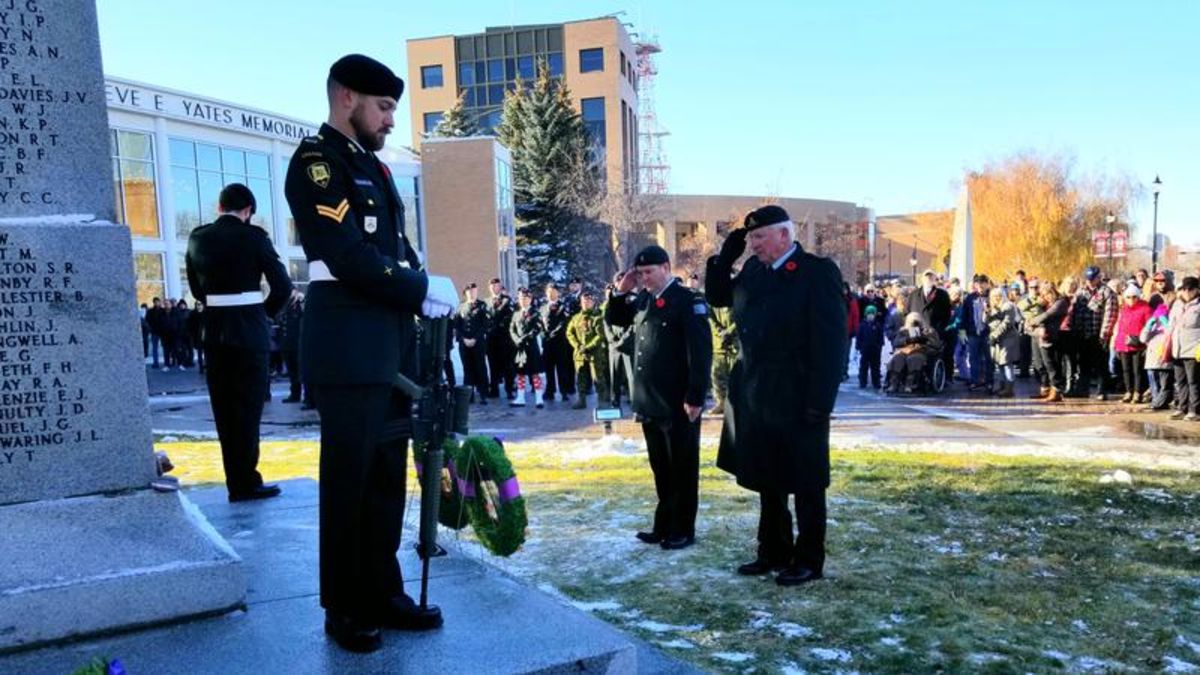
367, 287
671, 360
791, 324
226, 261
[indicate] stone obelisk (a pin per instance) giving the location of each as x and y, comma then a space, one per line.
962, 245
87, 545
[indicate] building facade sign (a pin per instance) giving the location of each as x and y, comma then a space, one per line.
136, 97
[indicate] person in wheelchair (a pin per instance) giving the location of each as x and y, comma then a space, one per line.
917, 346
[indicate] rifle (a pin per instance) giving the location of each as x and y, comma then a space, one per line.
441, 410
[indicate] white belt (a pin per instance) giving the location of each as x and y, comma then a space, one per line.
319, 271
235, 299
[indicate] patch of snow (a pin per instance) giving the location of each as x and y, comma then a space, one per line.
1119, 476
954, 548
168, 439
789, 668
896, 619
995, 556
794, 630
1057, 655
1184, 642
601, 606
1174, 665
1089, 664
823, 654
656, 627
1080, 625
889, 642
1158, 495
733, 657
678, 643
986, 657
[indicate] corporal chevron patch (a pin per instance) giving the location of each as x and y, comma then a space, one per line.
337, 214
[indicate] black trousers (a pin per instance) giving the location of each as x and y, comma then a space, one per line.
775, 535
1093, 364
474, 360
500, 354
362, 492
620, 374
868, 362
237, 382
1052, 361
674, 449
1187, 385
291, 361
1133, 371
560, 367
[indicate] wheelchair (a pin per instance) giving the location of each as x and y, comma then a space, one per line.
933, 378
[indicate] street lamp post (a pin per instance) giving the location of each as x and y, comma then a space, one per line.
1110, 219
1154, 235
913, 261
889, 258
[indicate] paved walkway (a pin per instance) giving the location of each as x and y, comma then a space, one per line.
954, 421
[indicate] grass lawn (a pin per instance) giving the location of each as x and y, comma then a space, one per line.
936, 562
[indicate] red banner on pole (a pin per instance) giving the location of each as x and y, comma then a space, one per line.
1120, 243
1100, 244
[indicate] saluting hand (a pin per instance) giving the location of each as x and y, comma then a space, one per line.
733, 247
627, 281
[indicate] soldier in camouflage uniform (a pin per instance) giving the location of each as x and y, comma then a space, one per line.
725, 351
589, 348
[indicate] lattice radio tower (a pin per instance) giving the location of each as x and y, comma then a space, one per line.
654, 171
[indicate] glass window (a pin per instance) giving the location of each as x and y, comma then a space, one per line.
622, 63
431, 121
525, 67
466, 48
495, 94
210, 192
468, 94
466, 74
258, 165
186, 196
480, 72
185, 289
298, 271
524, 42
233, 161
264, 212
431, 77
489, 121
495, 70
208, 157
591, 60
135, 191
510, 69
555, 62
151, 280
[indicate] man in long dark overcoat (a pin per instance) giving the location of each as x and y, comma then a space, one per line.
787, 304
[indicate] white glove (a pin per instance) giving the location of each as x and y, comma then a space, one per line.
441, 290
435, 310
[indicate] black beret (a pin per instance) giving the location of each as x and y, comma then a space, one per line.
235, 197
469, 286
764, 216
495, 280
652, 255
366, 76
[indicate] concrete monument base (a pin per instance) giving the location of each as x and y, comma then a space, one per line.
80, 566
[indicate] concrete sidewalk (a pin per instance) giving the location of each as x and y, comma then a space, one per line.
494, 623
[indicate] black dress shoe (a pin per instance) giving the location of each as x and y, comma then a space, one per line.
650, 537
674, 543
261, 492
401, 613
795, 576
760, 566
351, 634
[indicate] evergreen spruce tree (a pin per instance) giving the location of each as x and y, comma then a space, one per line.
456, 123
550, 184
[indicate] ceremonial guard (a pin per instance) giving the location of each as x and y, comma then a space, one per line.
226, 261
585, 333
524, 330
367, 287
499, 343
556, 352
671, 362
791, 321
725, 350
620, 341
471, 330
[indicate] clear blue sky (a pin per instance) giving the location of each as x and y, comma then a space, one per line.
881, 103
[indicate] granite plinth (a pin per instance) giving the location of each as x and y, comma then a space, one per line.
494, 623
85, 565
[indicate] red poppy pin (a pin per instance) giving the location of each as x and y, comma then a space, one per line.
790, 266
660, 303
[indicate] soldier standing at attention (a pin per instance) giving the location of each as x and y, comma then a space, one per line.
791, 320
585, 333
500, 349
725, 349
367, 287
671, 361
471, 329
226, 261
556, 353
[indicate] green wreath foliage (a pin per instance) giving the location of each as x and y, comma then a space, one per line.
452, 512
498, 523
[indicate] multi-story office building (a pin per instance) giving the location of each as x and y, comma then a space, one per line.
594, 58
171, 154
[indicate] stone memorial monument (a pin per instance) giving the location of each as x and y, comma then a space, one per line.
87, 546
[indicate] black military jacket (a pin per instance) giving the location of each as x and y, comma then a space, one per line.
359, 329
554, 319
472, 322
227, 257
500, 311
672, 349
791, 324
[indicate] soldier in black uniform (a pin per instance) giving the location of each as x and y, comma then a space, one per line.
791, 321
671, 362
556, 352
471, 329
367, 287
501, 350
226, 261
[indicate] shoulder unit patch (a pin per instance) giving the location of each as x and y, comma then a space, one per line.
319, 173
